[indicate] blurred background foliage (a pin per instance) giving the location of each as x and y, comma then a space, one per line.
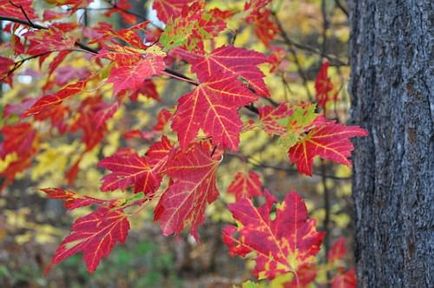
31, 226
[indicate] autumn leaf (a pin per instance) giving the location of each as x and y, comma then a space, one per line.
345, 280
132, 76
158, 154
193, 186
169, 9
271, 117
6, 65
337, 251
47, 103
213, 107
94, 235
260, 16
229, 61
20, 138
129, 170
246, 185
323, 85
328, 140
72, 200
286, 243
10, 8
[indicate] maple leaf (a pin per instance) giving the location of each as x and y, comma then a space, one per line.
133, 67
72, 200
286, 244
147, 89
92, 116
323, 85
246, 185
228, 60
193, 186
168, 9
47, 104
12, 8
94, 235
194, 25
270, 117
56, 38
260, 16
337, 251
328, 140
132, 77
163, 118
158, 155
212, 106
20, 138
345, 280
6, 65
128, 169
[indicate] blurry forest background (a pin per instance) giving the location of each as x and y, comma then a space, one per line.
32, 226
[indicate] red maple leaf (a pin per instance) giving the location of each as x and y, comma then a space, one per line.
72, 200
56, 38
20, 138
129, 170
270, 115
6, 65
169, 9
286, 244
14, 8
92, 116
229, 61
193, 186
246, 185
132, 76
147, 89
212, 107
337, 251
260, 16
345, 280
323, 85
328, 140
47, 104
158, 155
95, 235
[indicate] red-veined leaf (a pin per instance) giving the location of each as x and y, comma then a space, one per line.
286, 244
72, 199
260, 16
94, 235
132, 76
158, 155
212, 107
20, 138
228, 60
270, 117
193, 186
246, 185
168, 9
346, 280
328, 140
11, 8
129, 170
6, 65
323, 85
337, 251
49, 102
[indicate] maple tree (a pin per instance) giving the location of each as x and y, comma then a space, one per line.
190, 139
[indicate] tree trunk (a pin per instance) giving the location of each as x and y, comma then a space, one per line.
392, 87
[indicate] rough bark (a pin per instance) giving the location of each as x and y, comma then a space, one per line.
392, 88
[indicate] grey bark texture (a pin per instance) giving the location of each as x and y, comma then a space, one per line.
392, 88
